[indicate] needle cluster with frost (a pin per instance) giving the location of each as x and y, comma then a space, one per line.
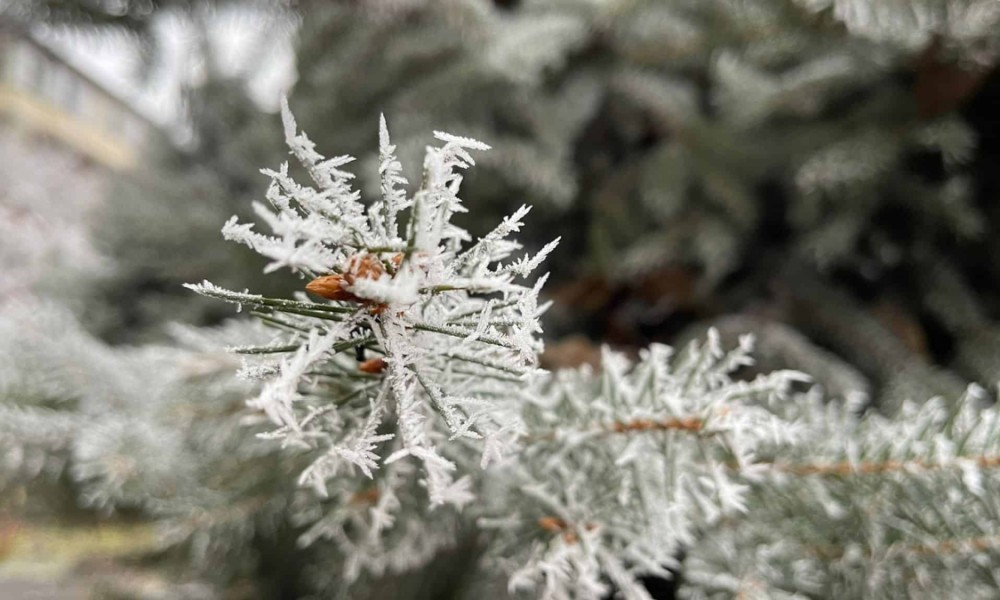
445, 323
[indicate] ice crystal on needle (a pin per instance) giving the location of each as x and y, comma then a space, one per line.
440, 323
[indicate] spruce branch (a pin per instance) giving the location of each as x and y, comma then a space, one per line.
591, 481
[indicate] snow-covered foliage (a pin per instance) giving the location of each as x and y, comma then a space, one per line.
155, 431
44, 242
445, 322
866, 508
374, 528
103, 413
622, 469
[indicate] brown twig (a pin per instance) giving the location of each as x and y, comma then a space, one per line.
691, 424
844, 468
687, 424
943, 547
557, 525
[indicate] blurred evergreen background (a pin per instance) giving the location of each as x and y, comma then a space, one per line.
821, 173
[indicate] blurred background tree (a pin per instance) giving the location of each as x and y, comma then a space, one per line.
160, 223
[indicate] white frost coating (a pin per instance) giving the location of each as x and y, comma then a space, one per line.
624, 469
280, 393
874, 500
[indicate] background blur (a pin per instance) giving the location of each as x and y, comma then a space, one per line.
822, 173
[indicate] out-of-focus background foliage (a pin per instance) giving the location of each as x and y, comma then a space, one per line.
822, 173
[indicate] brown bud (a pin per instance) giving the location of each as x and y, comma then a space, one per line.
330, 287
372, 365
359, 266
368, 496
552, 524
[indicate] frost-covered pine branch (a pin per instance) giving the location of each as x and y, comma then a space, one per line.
158, 433
622, 469
865, 507
418, 350
441, 324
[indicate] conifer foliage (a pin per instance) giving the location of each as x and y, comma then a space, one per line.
409, 381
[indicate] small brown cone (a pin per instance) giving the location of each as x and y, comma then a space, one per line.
372, 365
